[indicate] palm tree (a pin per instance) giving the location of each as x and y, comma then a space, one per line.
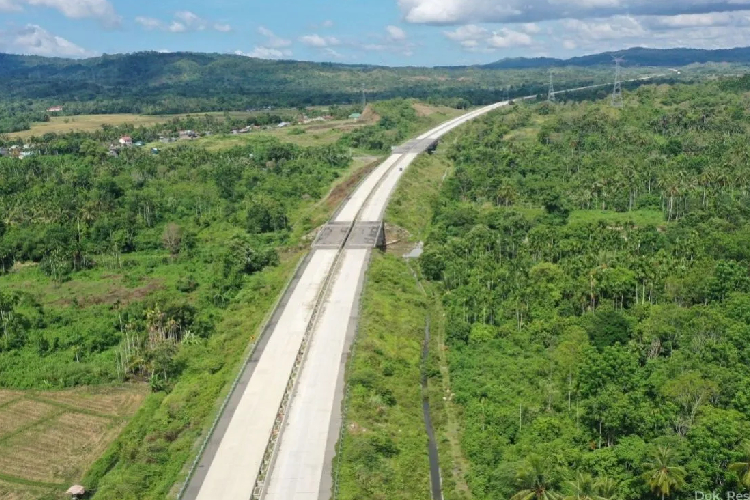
662, 475
606, 488
584, 488
534, 481
742, 469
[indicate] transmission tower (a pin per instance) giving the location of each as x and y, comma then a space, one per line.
507, 93
617, 92
551, 93
364, 97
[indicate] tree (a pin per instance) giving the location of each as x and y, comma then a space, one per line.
742, 468
535, 481
172, 238
583, 488
662, 475
606, 488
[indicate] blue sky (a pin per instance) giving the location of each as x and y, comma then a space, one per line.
389, 32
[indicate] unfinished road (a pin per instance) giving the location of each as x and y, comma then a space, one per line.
276, 436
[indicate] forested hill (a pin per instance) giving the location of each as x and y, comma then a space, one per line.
636, 56
151, 82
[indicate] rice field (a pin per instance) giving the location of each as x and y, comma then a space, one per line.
49, 439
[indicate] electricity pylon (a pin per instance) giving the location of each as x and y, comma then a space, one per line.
617, 92
551, 93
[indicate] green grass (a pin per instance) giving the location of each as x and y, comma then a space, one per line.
411, 206
638, 217
147, 461
385, 445
384, 452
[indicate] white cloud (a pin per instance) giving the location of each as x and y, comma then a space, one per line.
9, 6
616, 27
35, 40
335, 54
327, 24
148, 23
569, 45
395, 33
479, 39
183, 22
531, 28
506, 38
101, 10
525, 11
318, 41
266, 53
273, 40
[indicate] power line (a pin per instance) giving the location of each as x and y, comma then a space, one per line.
617, 101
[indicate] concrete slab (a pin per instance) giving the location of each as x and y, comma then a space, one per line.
353, 205
333, 235
237, 460
367, 235
375, 207
299, 467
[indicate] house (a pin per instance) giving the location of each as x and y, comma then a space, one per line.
15, 151
139, 143
355, 116
283, 124
126, 141
187, 134
54, 109
154, 151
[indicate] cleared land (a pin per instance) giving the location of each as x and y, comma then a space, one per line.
90, 123
49, 439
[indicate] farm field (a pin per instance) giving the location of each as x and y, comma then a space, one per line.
48, 439
91, 123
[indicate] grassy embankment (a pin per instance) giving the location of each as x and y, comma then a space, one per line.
384, 449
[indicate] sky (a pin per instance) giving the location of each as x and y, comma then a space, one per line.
385, 32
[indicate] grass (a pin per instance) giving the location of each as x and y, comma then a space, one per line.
90, 123
314, 134
638, 217
384, 449
48, 439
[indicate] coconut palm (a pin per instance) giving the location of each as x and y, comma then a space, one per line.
662, 475
742, 469
583, 488
606, 488
534, 481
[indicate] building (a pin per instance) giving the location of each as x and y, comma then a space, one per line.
126, 141
54, 109
188, 134
355, 116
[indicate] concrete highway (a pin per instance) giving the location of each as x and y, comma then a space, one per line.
276, 437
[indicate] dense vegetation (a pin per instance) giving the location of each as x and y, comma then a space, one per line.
594, 267
154, 83
158, 268
638, 56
